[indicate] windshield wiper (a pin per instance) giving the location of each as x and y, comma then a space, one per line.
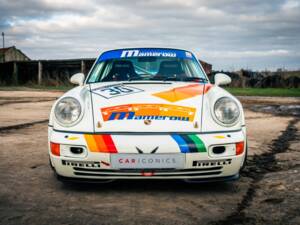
175, 78
135, 78
201, 79
178, 78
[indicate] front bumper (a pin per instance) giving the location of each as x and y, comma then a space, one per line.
95, 163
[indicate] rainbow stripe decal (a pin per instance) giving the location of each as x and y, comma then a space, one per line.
104, 143
185, 92
189, 143
100, 143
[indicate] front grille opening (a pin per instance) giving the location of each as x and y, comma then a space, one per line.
146, 170
98, 172
208, 173
218, 149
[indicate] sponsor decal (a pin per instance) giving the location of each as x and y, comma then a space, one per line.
147, 161
105, 163
220, 137
149, 112
73, 138
188, 54
100, 143
147, 53
182, 93
144, 52
115, 91
190, 143
84, 164
151, 152
208, 163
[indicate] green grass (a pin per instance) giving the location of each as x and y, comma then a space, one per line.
284, 92
280, 92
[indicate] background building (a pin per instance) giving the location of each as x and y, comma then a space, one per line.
206, 66
12, 54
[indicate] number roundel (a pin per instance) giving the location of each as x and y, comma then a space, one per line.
114, 91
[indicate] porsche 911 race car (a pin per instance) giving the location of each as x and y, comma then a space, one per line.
147, 113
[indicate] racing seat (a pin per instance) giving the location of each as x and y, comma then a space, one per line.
121, 70
169, 69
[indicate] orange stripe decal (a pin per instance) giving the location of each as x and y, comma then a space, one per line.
91, 144
185, 92
100, 143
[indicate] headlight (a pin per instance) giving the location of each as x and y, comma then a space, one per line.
226, 111
67, 111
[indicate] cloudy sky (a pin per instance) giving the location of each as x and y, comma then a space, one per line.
230, 34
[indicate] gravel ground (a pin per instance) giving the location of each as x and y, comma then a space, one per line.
267, 192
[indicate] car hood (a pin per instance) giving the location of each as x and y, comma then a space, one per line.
147, 106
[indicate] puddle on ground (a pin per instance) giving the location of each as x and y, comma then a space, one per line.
282, 110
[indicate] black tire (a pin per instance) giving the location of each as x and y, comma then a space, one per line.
64, 181
50, 164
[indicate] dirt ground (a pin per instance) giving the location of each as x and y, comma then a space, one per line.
268, 191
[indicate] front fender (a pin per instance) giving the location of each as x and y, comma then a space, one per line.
209, 123
86, 123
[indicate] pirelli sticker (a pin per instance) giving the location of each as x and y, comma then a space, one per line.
209, 163
83, 164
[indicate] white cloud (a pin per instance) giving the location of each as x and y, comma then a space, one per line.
249, 54
291, 5
223, 32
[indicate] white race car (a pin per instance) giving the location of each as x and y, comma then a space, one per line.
147, 113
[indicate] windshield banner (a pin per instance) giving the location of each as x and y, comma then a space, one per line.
144, 52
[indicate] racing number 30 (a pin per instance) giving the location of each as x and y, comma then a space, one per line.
112, 91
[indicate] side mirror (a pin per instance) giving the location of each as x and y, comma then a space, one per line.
222, 79
77, 78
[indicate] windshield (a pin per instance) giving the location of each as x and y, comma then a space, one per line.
147, 68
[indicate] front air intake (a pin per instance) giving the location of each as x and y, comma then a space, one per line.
218, 149
76, 150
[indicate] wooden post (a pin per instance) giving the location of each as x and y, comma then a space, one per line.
83, 67
40, 72
15, 74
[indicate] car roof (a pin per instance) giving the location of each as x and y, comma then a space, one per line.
146, 48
